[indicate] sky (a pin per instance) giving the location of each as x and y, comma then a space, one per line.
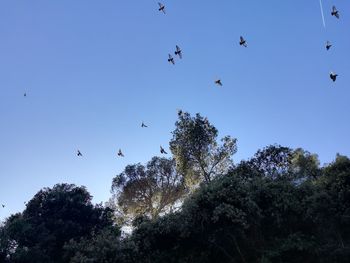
94, 70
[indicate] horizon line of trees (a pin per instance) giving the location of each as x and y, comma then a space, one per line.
197, 206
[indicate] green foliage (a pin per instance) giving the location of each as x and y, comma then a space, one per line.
196, 150
260, 212
305, 165
103, 246
149, 190
279, 206
281, 163
330, 210
52, 218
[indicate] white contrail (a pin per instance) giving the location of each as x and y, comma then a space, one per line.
321, 6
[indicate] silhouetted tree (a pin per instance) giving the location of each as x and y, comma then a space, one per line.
102, 246
329, 209
278, 162
53, 217
279, 206
271, 217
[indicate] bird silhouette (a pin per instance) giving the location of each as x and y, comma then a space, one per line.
178, 52
328, 45
171, 59
161, 7
333, 76
335, 12
25, 94
218, 82
79, 153
242, 42
3, 206
120, 153
162, 150
143, 125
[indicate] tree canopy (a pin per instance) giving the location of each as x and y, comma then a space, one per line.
149, 190
256, 218
278, 206
196, 150
53, 217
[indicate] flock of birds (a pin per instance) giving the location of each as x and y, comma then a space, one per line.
243, 42
121, 154
178, 53
334, 13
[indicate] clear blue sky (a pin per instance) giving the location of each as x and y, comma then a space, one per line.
93, 70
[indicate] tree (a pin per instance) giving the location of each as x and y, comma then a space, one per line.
273, 161
272, 217
53, 217
279, 162
103, 246
330, 210
149, 190
305, 164
279, 206
5, 244
195, 148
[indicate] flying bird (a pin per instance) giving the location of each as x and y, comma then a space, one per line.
79, 153
120, 153
162, 150
3, 206
178, 52
335, 12
143, 125
333, 76
161, 7
328, 45
171, 59
25, 94
218, 82
242, 42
